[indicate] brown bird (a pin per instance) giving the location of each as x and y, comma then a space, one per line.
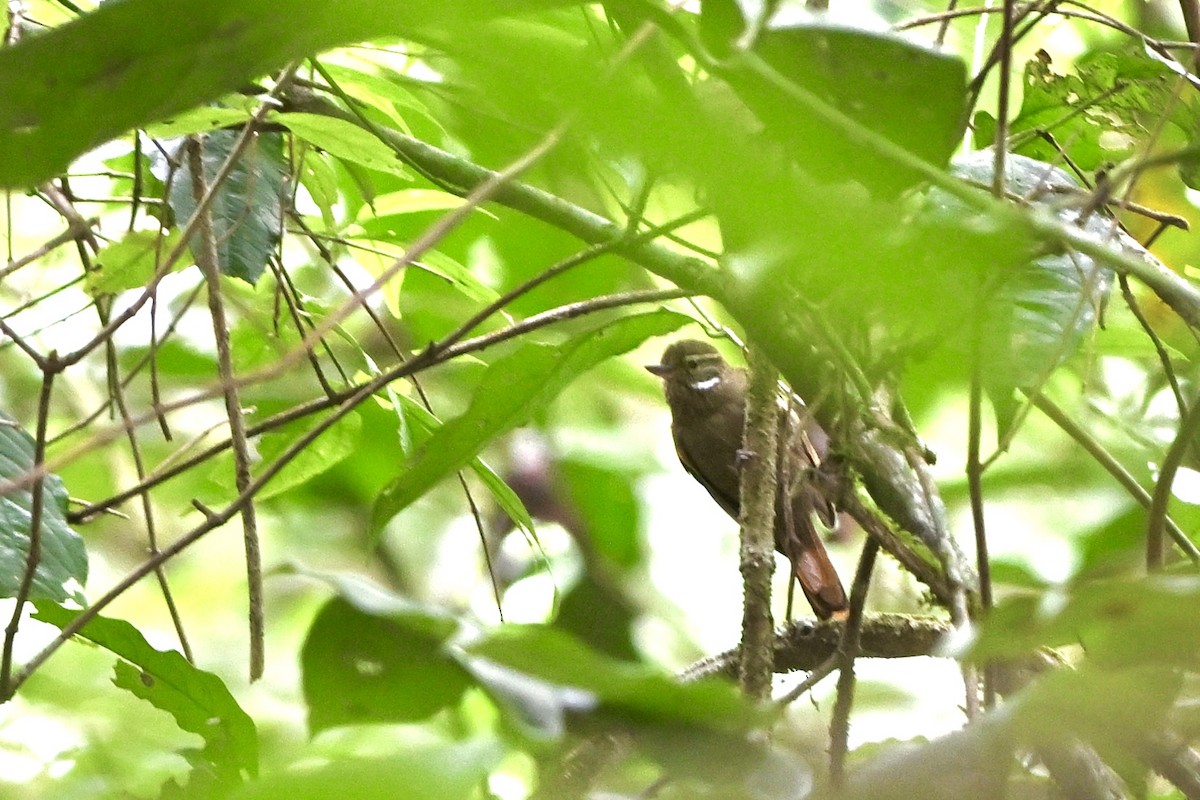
708, 408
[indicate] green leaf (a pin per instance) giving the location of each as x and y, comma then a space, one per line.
371, 656
463, 279
512, 390
903, 91
335, 444
426, 423
318, 175
344, 140
247, 212
198, 120
198, 700
425, 771
606, 501
1039, 309
128, 263
379, 89
445, 269
547, 675
1119, 622
1117, 710
134, 62
63, 568
409, 201
1104, 110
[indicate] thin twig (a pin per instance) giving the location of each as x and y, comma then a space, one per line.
1189, 426
818, 674
212, 521
70, 234
33, 557
206, 258
345, 403
983, 564
848, 650
1005, 47
202, 206
411, 367
1114, 468
1164, 358
117, 394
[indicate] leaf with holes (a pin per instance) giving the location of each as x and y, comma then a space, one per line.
1105, 109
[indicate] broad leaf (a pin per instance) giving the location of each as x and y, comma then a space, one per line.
510, 392
336, 443
1104, 109
344, 140
134, 62
371, 656
247, 212
549, 683
587, 680
1119, 622
198, 120
198, 700
62, 569
909, 94
424, 423
128, 263
439, 771
1036, 312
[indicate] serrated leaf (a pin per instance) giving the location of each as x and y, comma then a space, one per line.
247, 212
511, 390
344, 140
371, 656
63, 568
198, 700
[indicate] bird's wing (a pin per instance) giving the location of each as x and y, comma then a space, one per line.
723, 485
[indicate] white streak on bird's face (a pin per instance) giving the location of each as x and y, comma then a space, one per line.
706, 384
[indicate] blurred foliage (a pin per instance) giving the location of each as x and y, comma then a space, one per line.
479, 579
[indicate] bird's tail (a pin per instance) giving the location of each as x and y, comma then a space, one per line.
815, 572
